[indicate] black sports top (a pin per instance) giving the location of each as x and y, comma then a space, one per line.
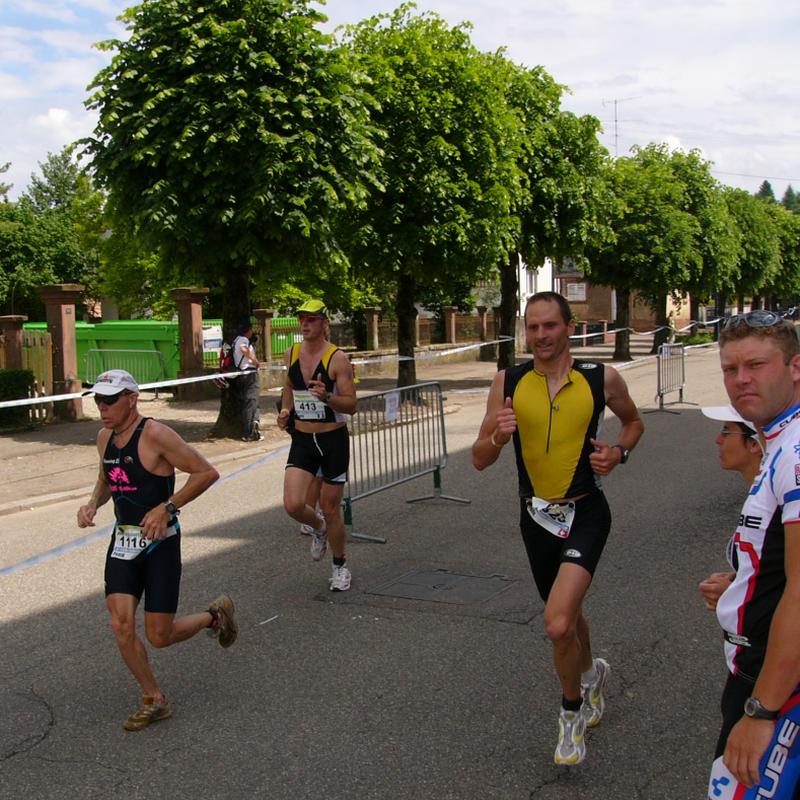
134, 489
298, 381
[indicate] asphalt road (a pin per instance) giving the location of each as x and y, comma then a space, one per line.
368, 695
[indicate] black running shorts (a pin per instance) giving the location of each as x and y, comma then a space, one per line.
156, 572
326, 453
584, 545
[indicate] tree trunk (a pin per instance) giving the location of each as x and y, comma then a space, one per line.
662, 321
694, 313
740, 304
719, 313
622, 341
406, 330
359, 322
235, 309
508, 312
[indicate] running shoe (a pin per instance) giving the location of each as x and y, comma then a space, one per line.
319, 542
594, 701
223, 612
340, 579
307, 530
149, 712
571, 747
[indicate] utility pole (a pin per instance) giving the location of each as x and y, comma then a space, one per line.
615, 101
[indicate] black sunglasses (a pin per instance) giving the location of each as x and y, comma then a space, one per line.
108, 399
760, 318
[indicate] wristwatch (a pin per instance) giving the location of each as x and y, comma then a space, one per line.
754, 709
623, 453
172, 509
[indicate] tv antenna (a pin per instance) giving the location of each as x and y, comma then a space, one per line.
615, 101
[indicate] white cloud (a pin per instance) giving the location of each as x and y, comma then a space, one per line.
12, 87
59, 125
48, 10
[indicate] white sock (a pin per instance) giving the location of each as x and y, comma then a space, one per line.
590, 676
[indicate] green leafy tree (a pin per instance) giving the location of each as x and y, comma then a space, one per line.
790, 200
50, 235
784, 288
759, 259
718, 238
63, 192
765, 192
5, 188
563, 202
449, 168
35, 249
232, 137
655, 248
134, 277
56, 187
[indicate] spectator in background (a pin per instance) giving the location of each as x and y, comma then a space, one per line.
247, 385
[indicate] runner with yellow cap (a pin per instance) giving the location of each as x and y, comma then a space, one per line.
319, 391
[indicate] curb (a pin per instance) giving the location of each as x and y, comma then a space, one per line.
42, 500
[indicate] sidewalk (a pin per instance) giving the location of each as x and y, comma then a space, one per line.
59, 462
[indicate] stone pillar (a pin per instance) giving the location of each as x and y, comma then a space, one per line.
416, 330
483, 322
608, 338
372, 316
190, 341
59, 301
449, 324
487, 352
264, 347
11, 328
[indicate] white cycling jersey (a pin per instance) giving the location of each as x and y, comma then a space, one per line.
757, 549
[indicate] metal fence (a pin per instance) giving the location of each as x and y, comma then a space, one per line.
146, 366
396, 436
671, 373
285, 331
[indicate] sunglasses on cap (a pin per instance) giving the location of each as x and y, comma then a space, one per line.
760, 318
108, 399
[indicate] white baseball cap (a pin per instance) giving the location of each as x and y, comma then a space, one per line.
113, 381
726, 414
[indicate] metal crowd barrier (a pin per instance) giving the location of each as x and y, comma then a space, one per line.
395, 437
671, 374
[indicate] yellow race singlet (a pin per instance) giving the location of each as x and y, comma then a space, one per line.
552, 438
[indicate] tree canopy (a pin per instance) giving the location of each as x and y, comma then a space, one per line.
759, 259
231, 136
51, 235
449, 167
5, 188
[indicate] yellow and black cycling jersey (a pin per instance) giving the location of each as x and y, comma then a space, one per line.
552, 438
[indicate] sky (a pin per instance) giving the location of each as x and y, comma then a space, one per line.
719, 76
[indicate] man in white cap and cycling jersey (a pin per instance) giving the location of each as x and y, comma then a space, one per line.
758, 750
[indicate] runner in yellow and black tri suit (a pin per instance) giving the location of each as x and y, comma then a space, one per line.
318, 394
553, 410
553, 445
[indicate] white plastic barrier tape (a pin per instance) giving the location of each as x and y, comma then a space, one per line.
30, 401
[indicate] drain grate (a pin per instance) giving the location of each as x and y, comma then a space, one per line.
443, 586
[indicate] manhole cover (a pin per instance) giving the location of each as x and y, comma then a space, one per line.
443, 586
